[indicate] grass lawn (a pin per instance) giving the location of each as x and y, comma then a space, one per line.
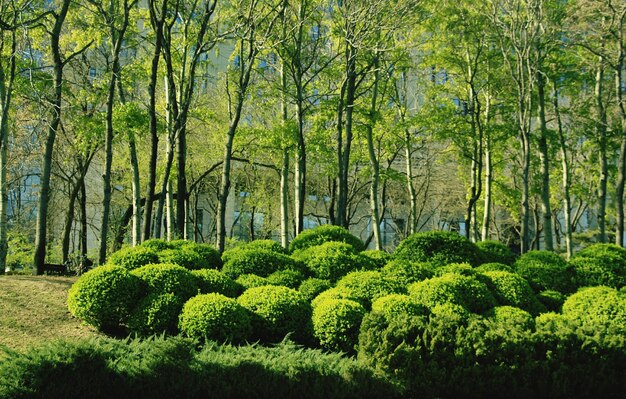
33, 310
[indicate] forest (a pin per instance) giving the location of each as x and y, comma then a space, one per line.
130, 120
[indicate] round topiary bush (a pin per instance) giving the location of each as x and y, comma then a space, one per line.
366, 286
494, 267
380, 258
133, 257
332, 260
210, 280
325, 233
286, 278
439, 248
406, 272
458, 314
157, 244
335, 293
250, 281
336, 324
312, 287
511, 317
495, 252
156, 314
184, 257
260, 262
277, 311
512, 290
466, 291
265, 245
394, 305
104, 297
216, 317
552, 300
163, 278
459, 268
600, 264
209, 257
545, 270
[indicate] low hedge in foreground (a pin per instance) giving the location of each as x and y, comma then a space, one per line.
169, 368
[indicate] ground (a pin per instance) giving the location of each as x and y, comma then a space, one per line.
33, 310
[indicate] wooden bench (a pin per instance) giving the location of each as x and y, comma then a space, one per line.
52, 268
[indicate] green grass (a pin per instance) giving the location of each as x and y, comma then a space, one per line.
33, 311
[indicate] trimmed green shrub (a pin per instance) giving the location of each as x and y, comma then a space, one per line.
287, 278
394, 305
336, 324
184, 257
325, 233
265, 245
406, 272
600, 264
464, 269
494, 267
512, 290
162, 278
210, 280
552, 300
133, 257
439, 248
495, 252
277, 311
453, 288
545, 270
216, 317
511, 317
366, 286
260, 262
332, 260
156, 314
451, 311
336, 293
380, 258
157, 244
104, 297
247, 281
209, 257
312, 287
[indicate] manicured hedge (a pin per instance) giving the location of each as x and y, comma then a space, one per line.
439, 248
546, 270
600, 264
336, 324
259, 261
325, 233
495, 252
332, 260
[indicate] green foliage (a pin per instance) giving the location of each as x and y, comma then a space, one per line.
466, 291
277, 311
133, 257
394, 305
406, 272
184, 257
215, 317
260, 262
163, 278
209, 257
210, 280
439, 248
336, 324
552, 300
511, 317
464, 269
367, 286
156, 314
495, 252
325, 233
104, 297
332, 260
171, 367
312, 287
494, 267
185, 253
288, 278
266, 245
512, 290
20, 253
600, 264
380, 258
157, 244
545, 270
251, 280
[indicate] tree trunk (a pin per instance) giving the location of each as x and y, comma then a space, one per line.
488, 174
284, 172
350, 93
83, 219
374, 201
567, 203
55, 120
169, 159
601, 126
621, 171
544, 157
224, 188
300, 170
69, 221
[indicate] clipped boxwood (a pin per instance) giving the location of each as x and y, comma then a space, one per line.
134, 257
380, 258
332, 260
600, 264
210, 280
287, 278
312, 287
157, 244
407, 272
545, 270
512, 290
366, 286
260, 262
492, 251
466, 291
394, 305
552, 300
511, 317
185, 257
216, 317
277, 311
439, 248
494, 267
250, 281
156, 314
337, 293
325, 233
162, 278
336, 324
104, 297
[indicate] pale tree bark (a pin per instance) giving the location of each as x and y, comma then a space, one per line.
374, 163
544, 158
488, 172
601, 131
284, 171
621, 170
567, 202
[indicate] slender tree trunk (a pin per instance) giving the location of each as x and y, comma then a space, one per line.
69, 221
55, 120
621, 171
169, 159
544, 157
136, 188
225, 188
567, 203
525, 216
601, 131
83, 219
169, 213
300, 169
488, 174
284, 172
350, 95
374, 201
